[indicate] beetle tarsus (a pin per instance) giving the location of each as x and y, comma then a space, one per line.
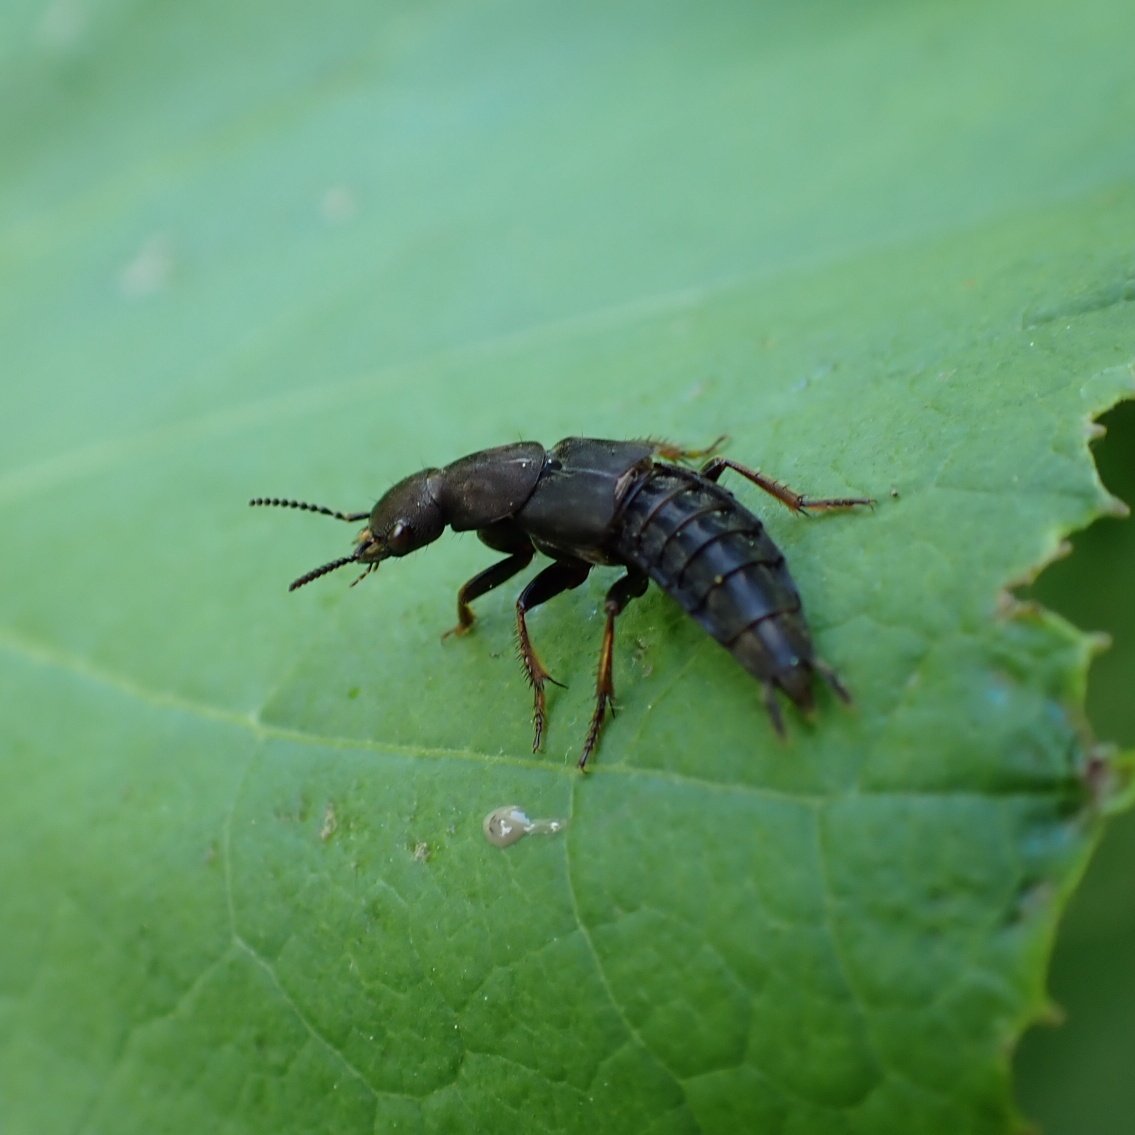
559, 576
604, 689
805, 503
537, 676
631, 586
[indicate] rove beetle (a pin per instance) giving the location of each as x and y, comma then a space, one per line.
589, 502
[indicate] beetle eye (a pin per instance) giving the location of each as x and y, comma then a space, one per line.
399, 535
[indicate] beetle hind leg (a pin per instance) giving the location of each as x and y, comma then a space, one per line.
790, 498
673, 451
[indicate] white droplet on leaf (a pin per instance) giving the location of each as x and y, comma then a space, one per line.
509, 824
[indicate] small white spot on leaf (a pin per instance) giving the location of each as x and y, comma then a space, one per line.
509, 824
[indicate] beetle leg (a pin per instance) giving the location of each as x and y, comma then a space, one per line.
562, 575
631, 586
768, 696
671, 451
492, 576
798, 502
832, 679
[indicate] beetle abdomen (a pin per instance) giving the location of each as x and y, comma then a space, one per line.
714, 557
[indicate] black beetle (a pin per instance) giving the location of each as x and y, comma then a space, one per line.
588, 501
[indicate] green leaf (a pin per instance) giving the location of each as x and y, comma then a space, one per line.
275, 250
1080, 1068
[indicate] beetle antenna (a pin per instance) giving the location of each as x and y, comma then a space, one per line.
316, 573
323, 510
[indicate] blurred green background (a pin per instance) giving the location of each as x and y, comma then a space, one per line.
1077, 1078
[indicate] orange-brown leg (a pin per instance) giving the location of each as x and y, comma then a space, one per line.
562, 575
631, 586
798, 502
671, 451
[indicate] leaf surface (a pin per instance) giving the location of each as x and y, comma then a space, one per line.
260, 252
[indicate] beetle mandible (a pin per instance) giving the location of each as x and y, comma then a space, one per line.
588, 502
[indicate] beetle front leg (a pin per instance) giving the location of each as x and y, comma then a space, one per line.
501, 537
631, 586
484, 581
560, 576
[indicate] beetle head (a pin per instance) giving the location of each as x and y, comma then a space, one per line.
406, 518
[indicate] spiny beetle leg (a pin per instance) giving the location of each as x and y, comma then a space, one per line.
622, 591
560, 576
484, 581
672, 451
798, 502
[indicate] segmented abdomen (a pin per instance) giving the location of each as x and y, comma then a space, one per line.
702, 547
